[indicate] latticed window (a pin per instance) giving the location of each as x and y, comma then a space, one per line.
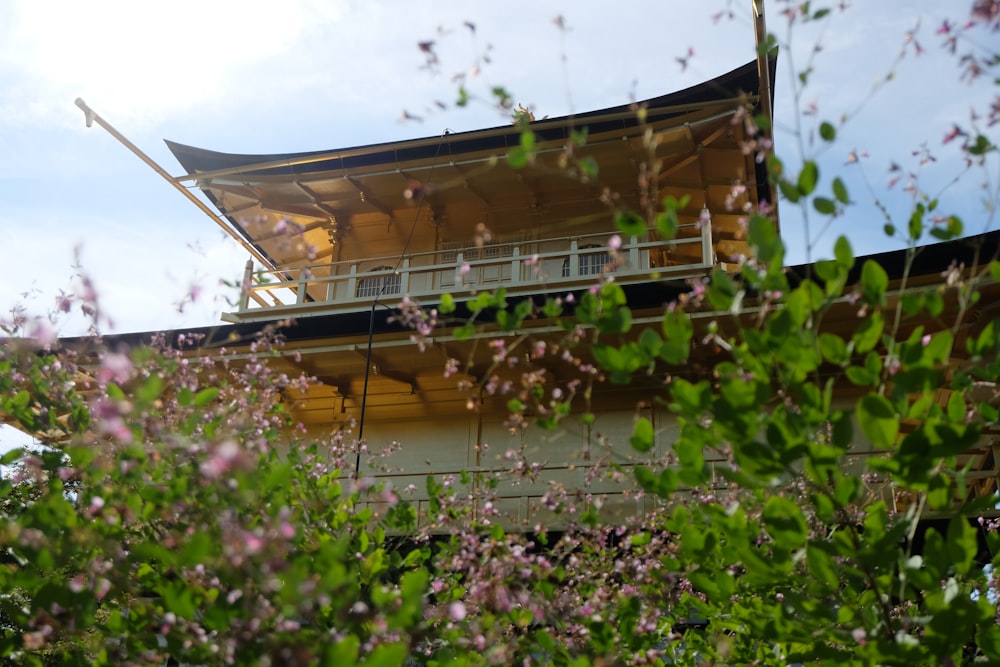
473, 251
591, 264
379, 285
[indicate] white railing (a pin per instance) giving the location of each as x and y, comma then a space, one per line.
543, 265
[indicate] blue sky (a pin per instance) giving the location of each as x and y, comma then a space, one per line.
256, 77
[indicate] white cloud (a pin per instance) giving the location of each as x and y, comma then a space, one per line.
142, 60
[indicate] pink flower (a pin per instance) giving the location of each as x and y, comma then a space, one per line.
115, 367
953, 133
115, 427
101, 588
253, 543
457, 611
704, 218
43, 332
615, 242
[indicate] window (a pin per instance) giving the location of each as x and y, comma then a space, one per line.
591, 264
379, 285
497, 249
473, 251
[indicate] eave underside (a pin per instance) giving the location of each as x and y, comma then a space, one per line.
368, 201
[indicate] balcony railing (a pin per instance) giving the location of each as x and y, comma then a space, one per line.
529, 267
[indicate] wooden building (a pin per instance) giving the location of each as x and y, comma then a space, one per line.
342, 236
339, 238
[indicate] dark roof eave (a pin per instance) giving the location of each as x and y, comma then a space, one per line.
742, 80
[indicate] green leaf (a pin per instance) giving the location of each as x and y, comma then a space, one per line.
630, 224
843, 429
650, 342
843, 252
465, 331
722, 290
988, 640
704, 582
948, 232
788, 190
447, 305
869, 332
840, 191
874, 283
517, 157
677, 332
981, 146
206, 396
528, 140
827, 131
962, 542
344, 653
808, 178
824, 206
387, 655
647, 479
150, 389
861, 376
995, 269
642, 435
691, 398
784, 522
878, 421
413, 586
915, 227
833, 348
588, 167
178, 598
938, 349
763, 237
667, 224
11, 456
822, 566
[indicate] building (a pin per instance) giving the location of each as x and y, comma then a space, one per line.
452, 214
340, 237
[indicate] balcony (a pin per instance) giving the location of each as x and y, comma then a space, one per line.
552, 265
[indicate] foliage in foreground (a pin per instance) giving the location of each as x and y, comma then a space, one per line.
179, 512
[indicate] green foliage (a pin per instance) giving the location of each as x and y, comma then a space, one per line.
171, 512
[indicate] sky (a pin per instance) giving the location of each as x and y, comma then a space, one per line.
251, 76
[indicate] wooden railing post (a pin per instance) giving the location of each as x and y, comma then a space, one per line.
246, 285
352, 282
331, 286
707, 251
300, 291
574, 257
404, 277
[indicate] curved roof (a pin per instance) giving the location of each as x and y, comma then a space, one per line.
351, 194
